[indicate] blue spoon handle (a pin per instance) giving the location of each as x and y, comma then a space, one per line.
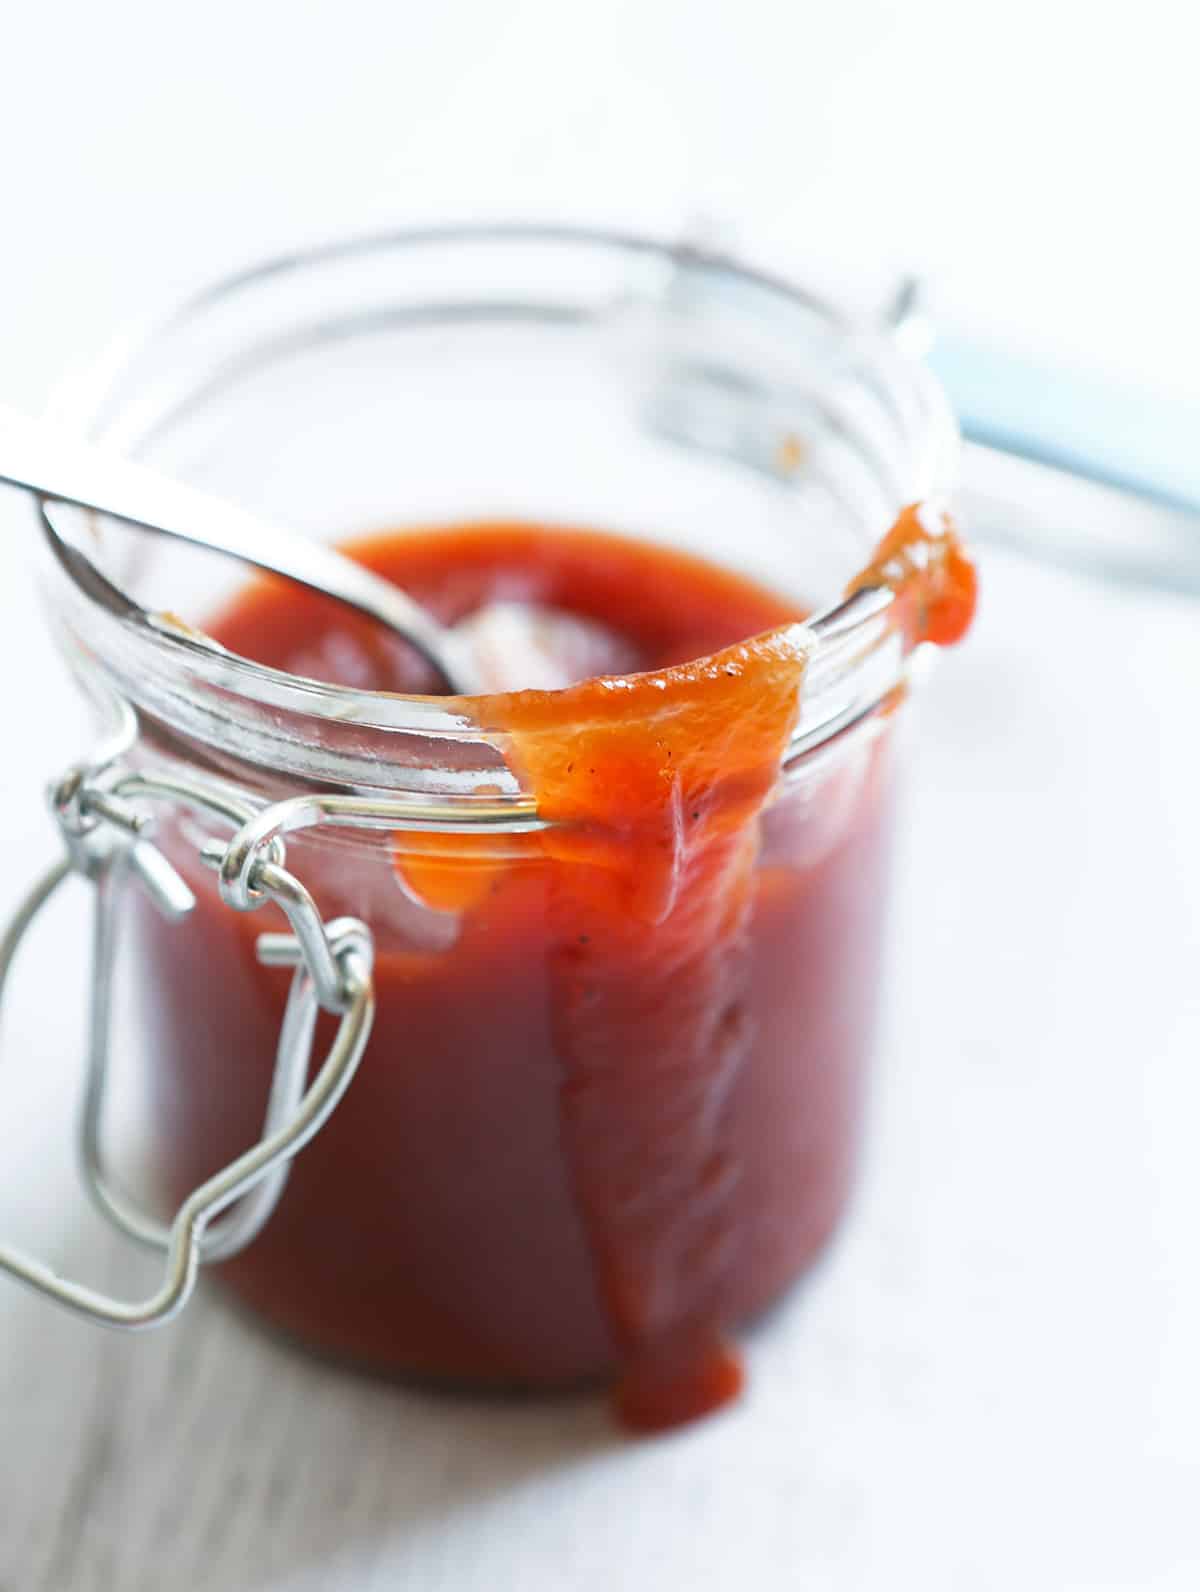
1145, 442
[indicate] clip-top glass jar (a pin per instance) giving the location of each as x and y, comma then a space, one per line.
608, 1105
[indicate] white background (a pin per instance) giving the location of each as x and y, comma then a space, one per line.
993, 1383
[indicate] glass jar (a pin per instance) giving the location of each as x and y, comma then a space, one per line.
510, 1193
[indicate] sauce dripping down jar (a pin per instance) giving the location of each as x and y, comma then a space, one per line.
600, 962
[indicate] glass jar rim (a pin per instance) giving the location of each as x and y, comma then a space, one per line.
226, 701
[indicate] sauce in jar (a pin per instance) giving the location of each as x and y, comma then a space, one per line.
609, 1107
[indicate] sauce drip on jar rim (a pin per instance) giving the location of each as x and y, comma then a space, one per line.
656, 781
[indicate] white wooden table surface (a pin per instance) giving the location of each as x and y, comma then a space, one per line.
993, 1382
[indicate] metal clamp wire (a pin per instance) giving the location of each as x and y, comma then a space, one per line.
288, 1132
332, 968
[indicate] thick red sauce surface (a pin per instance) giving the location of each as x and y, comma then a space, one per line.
609, 1107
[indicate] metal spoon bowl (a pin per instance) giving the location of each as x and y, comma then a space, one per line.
55, 466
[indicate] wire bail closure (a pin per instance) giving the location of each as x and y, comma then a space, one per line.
99, 807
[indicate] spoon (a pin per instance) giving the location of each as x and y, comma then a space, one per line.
504, 646
42, 459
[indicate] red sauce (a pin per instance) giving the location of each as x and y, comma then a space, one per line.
609, 1108
931, 574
